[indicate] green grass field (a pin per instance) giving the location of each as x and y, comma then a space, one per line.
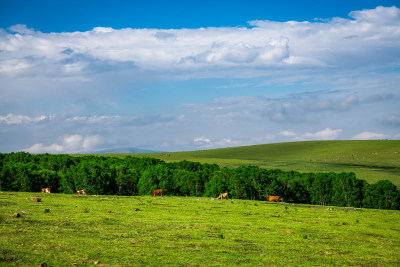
66, 230
370, 160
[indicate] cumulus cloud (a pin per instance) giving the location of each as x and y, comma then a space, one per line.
266, 44
21, 29
380, 15
40, 148
288, 133
19, 119
80, 134
68, 144
202, 140
206, 143
231, 53
369, 136
325, 134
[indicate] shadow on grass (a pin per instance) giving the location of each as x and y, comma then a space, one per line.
7, 256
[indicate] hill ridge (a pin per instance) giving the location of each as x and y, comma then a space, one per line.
372, 160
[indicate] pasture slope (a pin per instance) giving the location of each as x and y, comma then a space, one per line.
372, 160
77, 230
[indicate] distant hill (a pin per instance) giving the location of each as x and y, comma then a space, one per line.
372, 160
124, 150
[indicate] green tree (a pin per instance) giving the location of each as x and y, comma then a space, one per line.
219, 183
321, 188
381, 195
347, 190
155, 177
127, 181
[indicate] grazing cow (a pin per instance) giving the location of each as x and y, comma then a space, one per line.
156, 192
36, 199
45, 190
223, 196
81, 192
273, 198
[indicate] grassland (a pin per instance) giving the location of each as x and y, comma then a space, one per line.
65, 230
370, 160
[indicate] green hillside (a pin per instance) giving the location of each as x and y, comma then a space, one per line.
371, 160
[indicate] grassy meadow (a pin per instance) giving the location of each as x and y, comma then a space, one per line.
370, 160
66, 230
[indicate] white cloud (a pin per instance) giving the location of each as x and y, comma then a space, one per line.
206, 143
20, 28
369, 136
288, 133
326, 134
101, 120
103, 29
14, 119
69, 144
40, 148
231, 53
337, 42
73, 142
202, 140
14, 66
380, 15
20, 119
81, 134
95, 119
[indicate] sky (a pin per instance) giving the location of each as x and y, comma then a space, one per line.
90, 76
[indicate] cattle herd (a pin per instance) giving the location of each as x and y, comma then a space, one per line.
79, 192
160, 192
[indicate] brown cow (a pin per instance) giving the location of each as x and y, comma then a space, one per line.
45, 190
273, 198
156, 192
223, 196
81, 192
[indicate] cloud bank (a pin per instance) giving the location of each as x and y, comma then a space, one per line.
187, 89
69, 144
367, 37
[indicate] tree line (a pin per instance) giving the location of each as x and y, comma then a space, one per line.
140, 176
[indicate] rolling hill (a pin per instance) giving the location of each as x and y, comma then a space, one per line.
371, 160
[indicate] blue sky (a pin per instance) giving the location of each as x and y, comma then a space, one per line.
84, 76
58, 16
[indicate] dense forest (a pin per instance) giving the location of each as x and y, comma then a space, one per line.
140, 176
